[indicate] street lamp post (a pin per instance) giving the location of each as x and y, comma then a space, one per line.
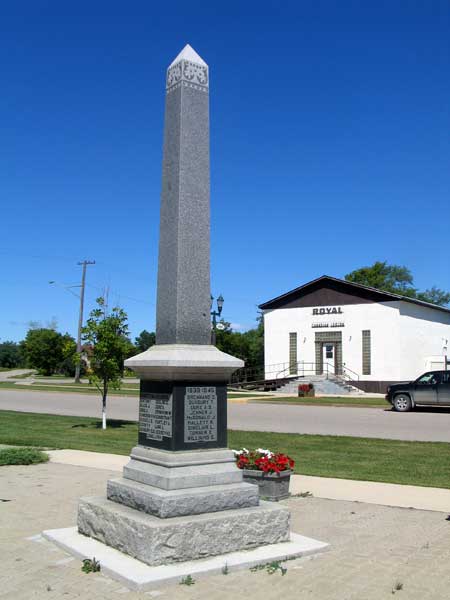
215, 314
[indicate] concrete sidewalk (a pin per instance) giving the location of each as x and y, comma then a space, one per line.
385, 494
373, 549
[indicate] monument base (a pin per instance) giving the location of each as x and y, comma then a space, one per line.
157, 541
182, 497
138, 576
181, 470
178, 503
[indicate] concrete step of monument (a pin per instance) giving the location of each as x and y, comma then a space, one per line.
191, 472
156, 541
181, 502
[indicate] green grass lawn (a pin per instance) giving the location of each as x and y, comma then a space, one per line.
56, 377
393, 461
325, 401
238, 395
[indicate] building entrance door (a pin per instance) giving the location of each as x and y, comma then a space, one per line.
328, 352
329, 358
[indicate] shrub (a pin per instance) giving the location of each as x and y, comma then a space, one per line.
22, 456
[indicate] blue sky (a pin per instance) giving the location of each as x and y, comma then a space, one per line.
330, 147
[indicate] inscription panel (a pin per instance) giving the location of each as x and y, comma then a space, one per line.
200, 414
183, 415
155, 415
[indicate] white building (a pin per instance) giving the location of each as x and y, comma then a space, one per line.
366, 335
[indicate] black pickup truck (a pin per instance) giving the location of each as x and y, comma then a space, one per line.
432, 388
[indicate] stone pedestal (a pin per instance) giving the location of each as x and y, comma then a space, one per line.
182, 496
177, 506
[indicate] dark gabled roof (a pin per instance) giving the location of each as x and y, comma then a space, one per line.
366, 293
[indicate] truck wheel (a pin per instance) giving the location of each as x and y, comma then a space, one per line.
402, 403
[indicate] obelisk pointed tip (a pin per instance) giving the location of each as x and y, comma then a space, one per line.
188, 53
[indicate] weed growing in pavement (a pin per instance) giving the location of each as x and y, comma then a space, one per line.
188, 580
302, 495
271, 568
90, 565
397, 587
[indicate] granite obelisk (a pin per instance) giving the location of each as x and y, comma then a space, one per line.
181, 496
183, 305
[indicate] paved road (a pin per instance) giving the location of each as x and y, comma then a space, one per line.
425, 425
8, 375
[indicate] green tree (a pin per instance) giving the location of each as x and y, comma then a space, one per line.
145, 340
44, 349
397, 280
435, 296
107, 336
247, 345
391, 278
255, 341
10, 355
70, 358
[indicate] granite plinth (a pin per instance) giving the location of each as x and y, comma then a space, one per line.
188, 458
188, 362
181, 470
156, 541
182, 502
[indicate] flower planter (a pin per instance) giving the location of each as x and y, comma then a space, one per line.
306, 390
272, 486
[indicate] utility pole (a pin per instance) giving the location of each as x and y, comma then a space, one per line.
84, 263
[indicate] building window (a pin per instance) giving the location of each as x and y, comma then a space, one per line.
293, 353
366, 358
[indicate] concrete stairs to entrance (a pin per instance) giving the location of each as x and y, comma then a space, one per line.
323, 386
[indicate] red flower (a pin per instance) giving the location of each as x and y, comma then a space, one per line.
265, 462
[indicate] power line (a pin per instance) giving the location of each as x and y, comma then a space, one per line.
118, 294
